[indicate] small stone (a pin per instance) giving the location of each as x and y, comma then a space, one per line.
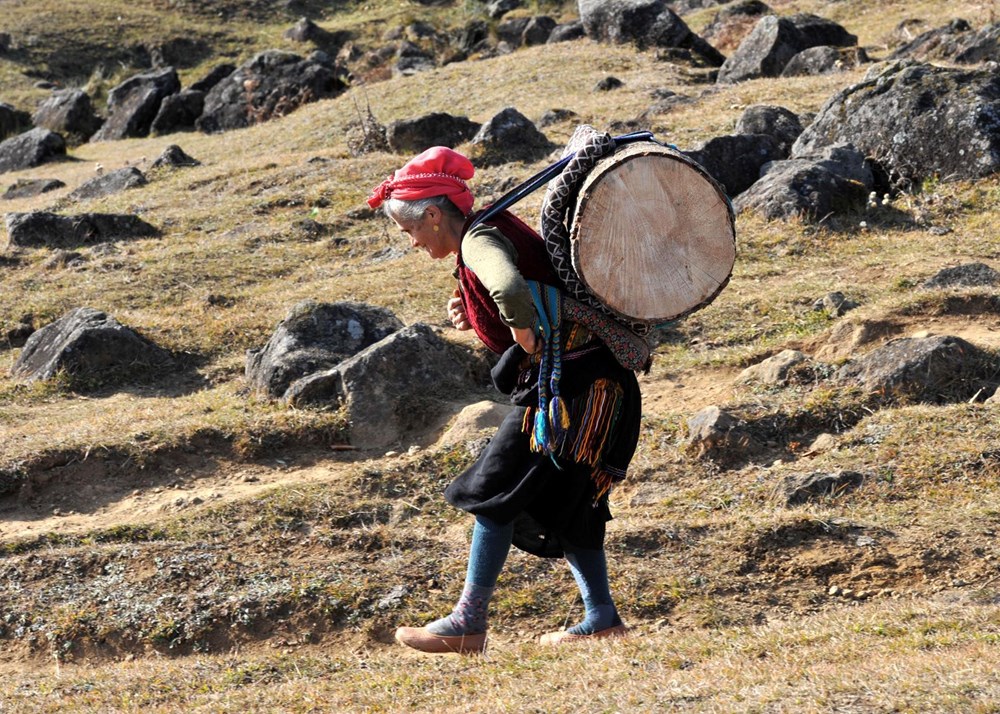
389, 454
833, 591
847, 593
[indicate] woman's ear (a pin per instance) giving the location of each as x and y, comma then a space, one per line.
433, 213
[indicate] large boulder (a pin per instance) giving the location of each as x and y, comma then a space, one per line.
39, 228
811, 187
436, 129
214, 76
783, 124
645, 23
109, 183
133, 104
566, 32
271, 84
314, 337
735, 161
68, 112
916, 121
178, 112
774, 41
92, 347
13, 121
30, 149
395, 385
509, 136
937, 369
538, 30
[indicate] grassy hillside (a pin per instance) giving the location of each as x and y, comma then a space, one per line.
257, 564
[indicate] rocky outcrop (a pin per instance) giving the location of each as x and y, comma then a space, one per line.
391, 387
272, 84
837, 180
134, 103
916, 121
509, 136
92, 347
774, 41
313, 337
937, 369
26, 188
736, 161
30, 149
774, 370
51, 230
437, 129
109, 183
70, 113
645, 23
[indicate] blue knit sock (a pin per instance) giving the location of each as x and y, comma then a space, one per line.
590, 570
490, 545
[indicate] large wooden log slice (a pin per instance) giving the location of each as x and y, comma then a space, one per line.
653, 236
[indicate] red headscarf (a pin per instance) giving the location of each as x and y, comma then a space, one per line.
439, 171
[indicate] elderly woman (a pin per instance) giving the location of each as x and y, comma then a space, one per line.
546, 494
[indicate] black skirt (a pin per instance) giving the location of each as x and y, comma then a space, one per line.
552, 506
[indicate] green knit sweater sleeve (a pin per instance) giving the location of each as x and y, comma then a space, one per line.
493, 258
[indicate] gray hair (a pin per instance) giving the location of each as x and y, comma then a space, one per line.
407, 211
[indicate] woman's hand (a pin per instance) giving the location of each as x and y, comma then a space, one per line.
456, 313
526, 337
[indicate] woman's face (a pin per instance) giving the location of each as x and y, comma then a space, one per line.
422, 234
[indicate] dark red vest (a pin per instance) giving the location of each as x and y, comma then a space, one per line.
533, 264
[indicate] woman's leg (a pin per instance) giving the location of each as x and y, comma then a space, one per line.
487, 554
590, 570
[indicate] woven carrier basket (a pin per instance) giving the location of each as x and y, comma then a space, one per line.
652, 235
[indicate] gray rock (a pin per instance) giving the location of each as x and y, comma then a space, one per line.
512, 31
835, 303
736, 161
554, 116
645, 23
48, 229
608, 84
92, 347
939, 43
964, 276
567, 32
774, 370
764, 52
410, 59
389, 388
178, 112
538, 30
26, 188
68, 112
812, 187
782, 124
174, 157
498, 8
509, 136
271, 84
109, 183
937, 369
436, 129
802, 488
314, 337
134, 103
916, 121
13, 121
30, 149
983, 47
712, 429
471, 37
216, 75
304, 30
812, 61
774, 41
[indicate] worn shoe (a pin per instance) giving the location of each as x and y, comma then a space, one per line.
563, 637
420, 639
